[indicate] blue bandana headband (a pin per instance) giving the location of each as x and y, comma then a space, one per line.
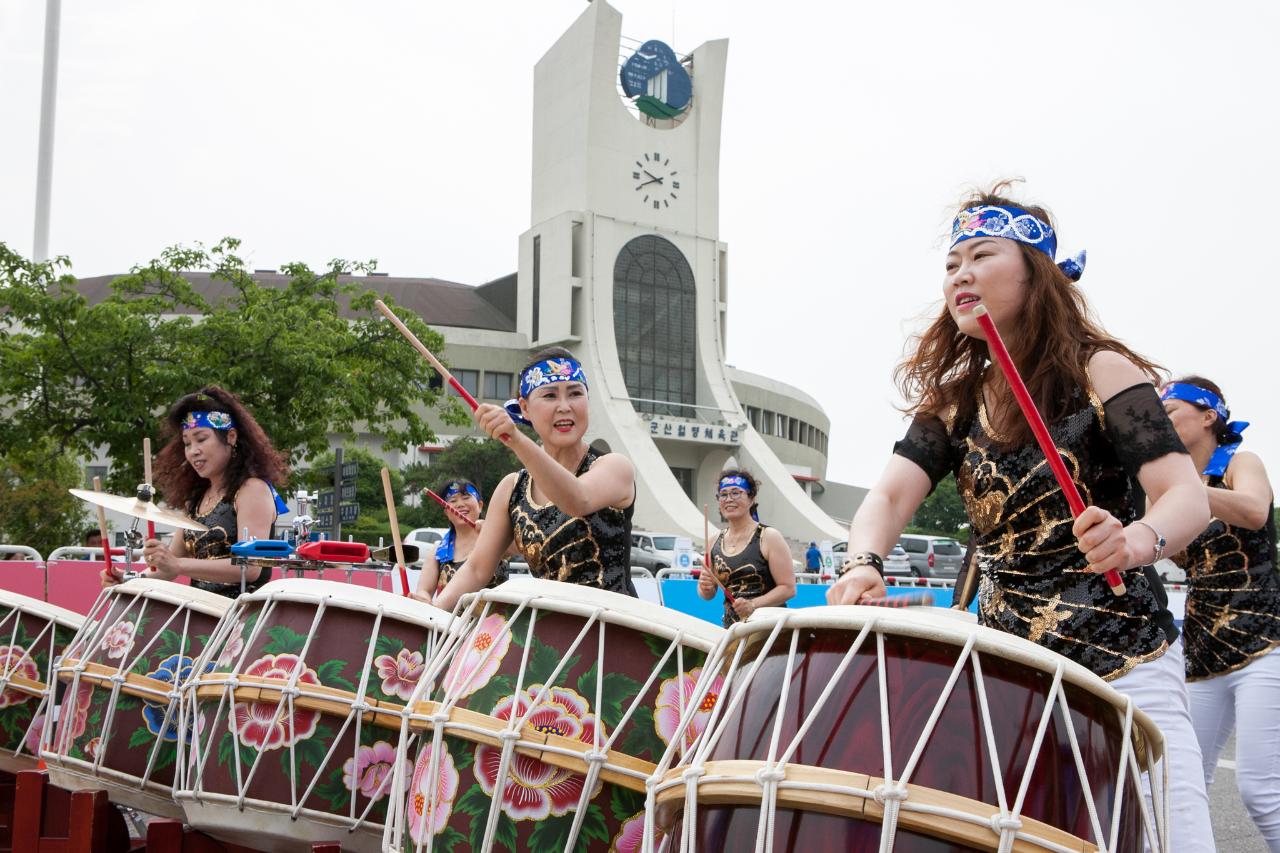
1206, 399
1013, 223
212, 420
455, 489
735, 481
565, 369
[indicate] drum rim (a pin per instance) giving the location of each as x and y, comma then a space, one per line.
955, 633
349, 596
580, 600
201, 600
59, 615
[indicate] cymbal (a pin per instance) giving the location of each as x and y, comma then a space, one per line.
138, 509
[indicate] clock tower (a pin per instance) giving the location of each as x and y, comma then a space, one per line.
624, 267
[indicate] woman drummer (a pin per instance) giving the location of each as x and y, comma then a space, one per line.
1040, 571
219, 465
1231, 634
568, 511
751, 560
452, 551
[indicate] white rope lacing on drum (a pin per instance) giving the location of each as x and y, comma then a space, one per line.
598, 755
49, 630
771, 774
1007, 824
287, 694
173, 706
1086, 786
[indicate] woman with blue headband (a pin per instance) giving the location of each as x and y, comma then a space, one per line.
1231, 633
751, 560
453, 550
1037, 571
568, 511
219, 466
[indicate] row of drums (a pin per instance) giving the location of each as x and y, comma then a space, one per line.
548, 717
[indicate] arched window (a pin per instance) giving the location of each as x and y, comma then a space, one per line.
653, 321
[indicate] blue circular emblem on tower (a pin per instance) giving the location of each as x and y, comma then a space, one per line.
654, 78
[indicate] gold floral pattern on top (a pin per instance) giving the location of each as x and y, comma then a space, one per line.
215, 544
1233, 600
1033, 579
745, 574
592, 551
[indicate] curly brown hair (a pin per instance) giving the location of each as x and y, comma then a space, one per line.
254, 457
945, 371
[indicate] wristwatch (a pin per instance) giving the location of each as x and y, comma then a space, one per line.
864, 558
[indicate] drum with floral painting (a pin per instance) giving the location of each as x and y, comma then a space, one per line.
537, 727
33, 634
119, 723
299, 708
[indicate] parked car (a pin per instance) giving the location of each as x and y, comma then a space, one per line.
425, 538
896, 562
1170, 572
656, 550
932, 556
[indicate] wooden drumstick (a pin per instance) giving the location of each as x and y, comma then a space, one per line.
435, 362
395, 530
146, 478
102, 534
706, 559
911, 599
1032, 414
451, 508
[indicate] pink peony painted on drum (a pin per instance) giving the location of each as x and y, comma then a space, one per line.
369, 772
34, 732
269, 725
536, 790
119, 639
470, 669
14, 661
429, 810
400, 674
234, 646
91, 748
630, 837
666, 713
79, 712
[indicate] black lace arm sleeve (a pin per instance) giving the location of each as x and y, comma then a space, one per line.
1139, 428
928, 445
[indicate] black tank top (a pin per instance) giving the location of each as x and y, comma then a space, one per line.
449, 568
215, 544
745, 574
1233, 600
592, 551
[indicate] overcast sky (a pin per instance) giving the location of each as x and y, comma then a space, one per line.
401, 131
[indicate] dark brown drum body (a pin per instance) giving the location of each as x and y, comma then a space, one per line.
798, 759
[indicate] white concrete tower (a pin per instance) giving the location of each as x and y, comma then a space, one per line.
624, 267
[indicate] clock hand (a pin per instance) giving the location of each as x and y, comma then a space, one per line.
646, 183
650, 174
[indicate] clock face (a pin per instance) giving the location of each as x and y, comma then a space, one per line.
657, 182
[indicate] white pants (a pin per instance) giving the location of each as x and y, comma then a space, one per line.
1248, 701
1159, 690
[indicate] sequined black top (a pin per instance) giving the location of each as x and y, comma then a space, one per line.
1031, 576
592, 551
215, 544
1233, 600
745, 574
449, 568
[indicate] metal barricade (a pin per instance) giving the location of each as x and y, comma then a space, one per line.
76, 552
22, 552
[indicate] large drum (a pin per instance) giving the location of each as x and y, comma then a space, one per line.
118, 726
299, 709
853, 728
33, 635
538, 727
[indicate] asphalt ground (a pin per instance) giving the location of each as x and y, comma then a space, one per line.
1233, 829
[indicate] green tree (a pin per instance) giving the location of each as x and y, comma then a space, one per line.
310, 359
483, 461
942, 513
35, 508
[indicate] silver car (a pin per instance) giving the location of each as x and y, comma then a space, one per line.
932, 556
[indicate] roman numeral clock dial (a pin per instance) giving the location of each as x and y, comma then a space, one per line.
656, 181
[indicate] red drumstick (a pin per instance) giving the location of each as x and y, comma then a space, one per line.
435, 362
450, 507
706, 561
1029, 411
912, 599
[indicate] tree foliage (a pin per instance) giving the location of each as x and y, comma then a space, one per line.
310, 359
942, 513
35, 507
369, 492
